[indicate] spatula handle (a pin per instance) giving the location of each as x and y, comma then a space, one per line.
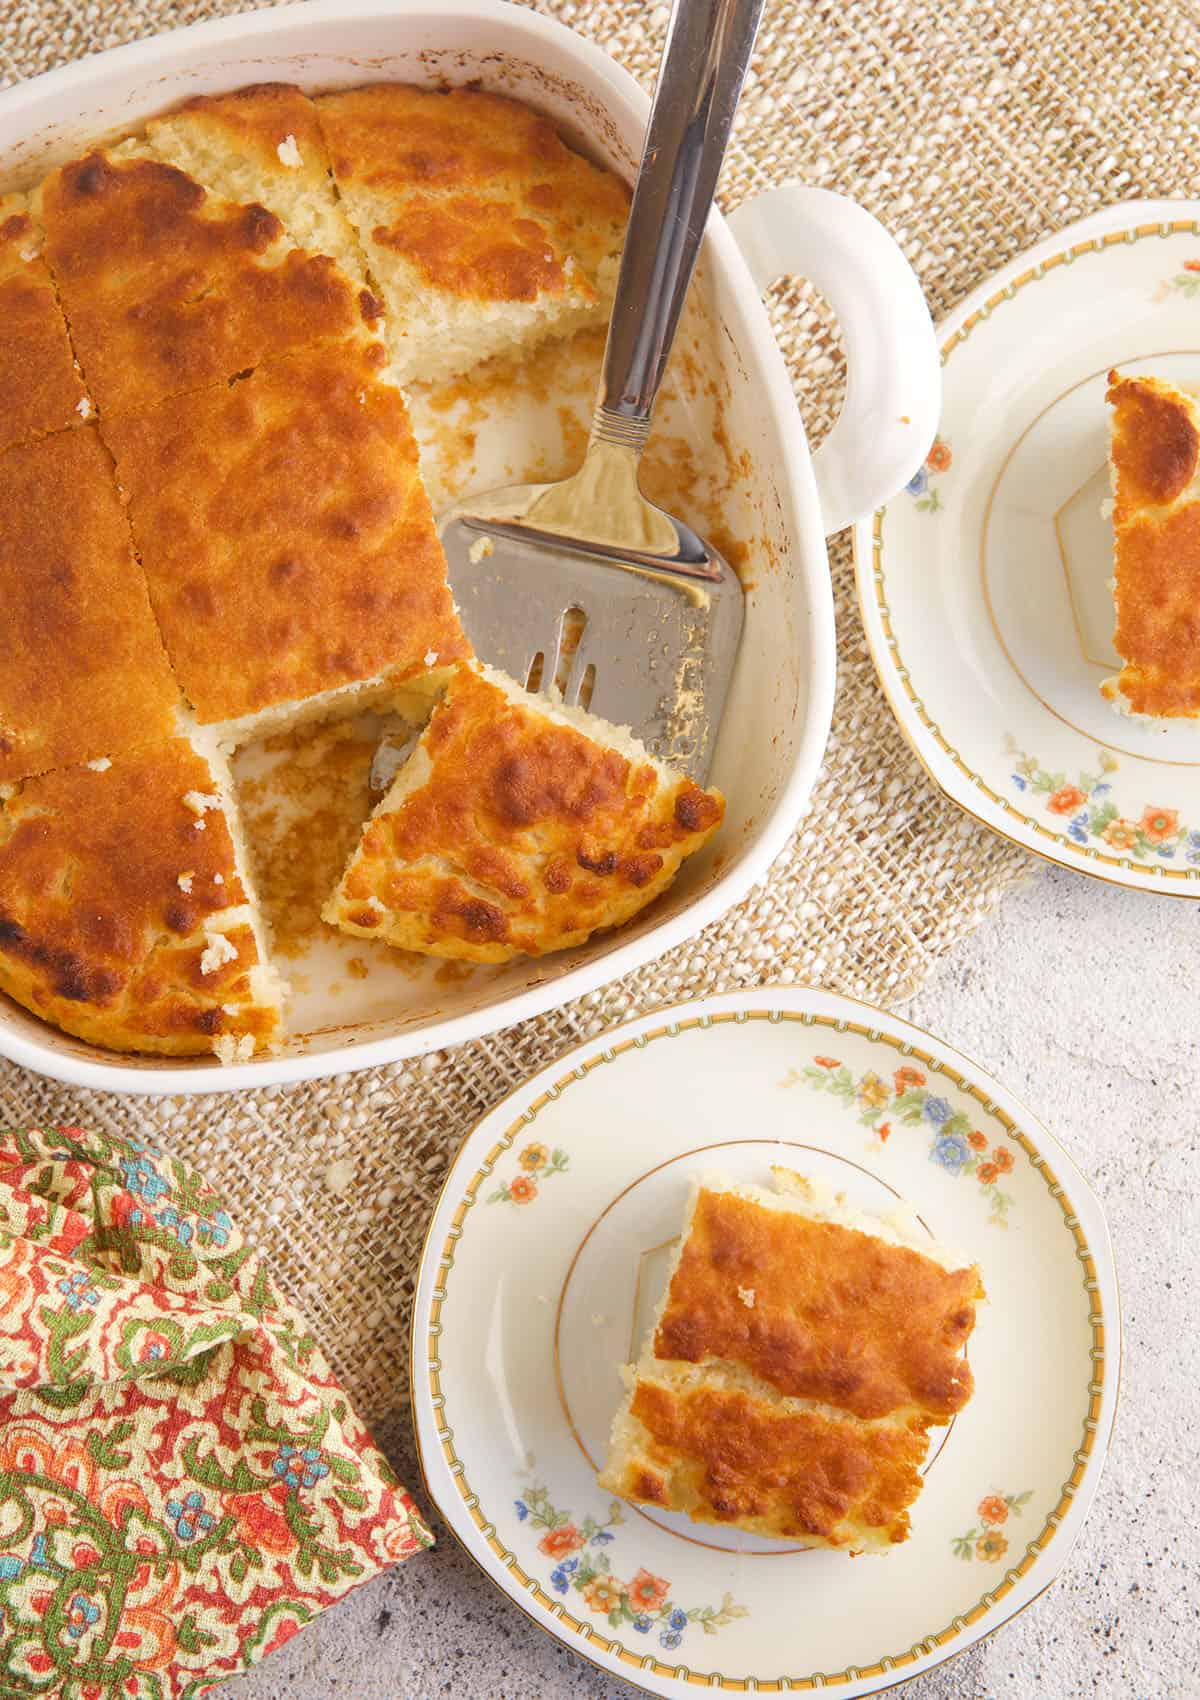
699, 81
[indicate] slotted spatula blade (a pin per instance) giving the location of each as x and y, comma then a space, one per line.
640, 643
586, 584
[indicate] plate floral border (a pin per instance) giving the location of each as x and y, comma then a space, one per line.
1086, 858
888, 1665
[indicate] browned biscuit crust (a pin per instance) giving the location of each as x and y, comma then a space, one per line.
480, 194
724, 1456
40, 390
255, 121
97, 933
286, 534
82, 669
1156, 525
263, 143
518, 835
839, 1316
167, 288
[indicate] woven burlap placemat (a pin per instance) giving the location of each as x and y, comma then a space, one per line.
970, 129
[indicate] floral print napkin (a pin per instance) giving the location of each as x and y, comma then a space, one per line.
183, 1484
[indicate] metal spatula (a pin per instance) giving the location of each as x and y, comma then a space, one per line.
584, 585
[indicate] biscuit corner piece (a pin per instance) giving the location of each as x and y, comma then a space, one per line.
1155, 465
167, 287
125, 918
517, 827
800, 1357
484, 231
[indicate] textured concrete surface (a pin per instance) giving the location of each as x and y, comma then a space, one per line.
1085, 1001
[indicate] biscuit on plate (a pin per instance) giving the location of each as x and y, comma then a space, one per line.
167, 288
801, 1355
124, 914
1155, 459
288, 543
263, 143
40, 389
517, 827
484, 232
82, 668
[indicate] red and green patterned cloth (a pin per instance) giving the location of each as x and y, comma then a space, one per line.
183, 1484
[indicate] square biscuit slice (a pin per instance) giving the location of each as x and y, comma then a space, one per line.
518, 827
125, 914
483, 231
287, 539
167, 288
847, 1311
1155, 465
263, 143
40, 388
720, 1448
82, 667
801, 1355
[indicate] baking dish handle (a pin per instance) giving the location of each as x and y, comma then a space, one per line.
893, 372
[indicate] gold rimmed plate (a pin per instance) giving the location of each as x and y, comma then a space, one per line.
547, 1252
985, 585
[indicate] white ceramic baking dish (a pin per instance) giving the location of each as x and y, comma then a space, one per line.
781, 507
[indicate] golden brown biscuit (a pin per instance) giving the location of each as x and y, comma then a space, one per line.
885, 1335
1156, 530
201, 291
263, 143
801, 1355
726, 1453
40, 390
514, 829
123, 915
285, 533
167, 288
82, 668
483, 230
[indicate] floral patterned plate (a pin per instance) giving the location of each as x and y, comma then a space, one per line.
984, 585
546, 1255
